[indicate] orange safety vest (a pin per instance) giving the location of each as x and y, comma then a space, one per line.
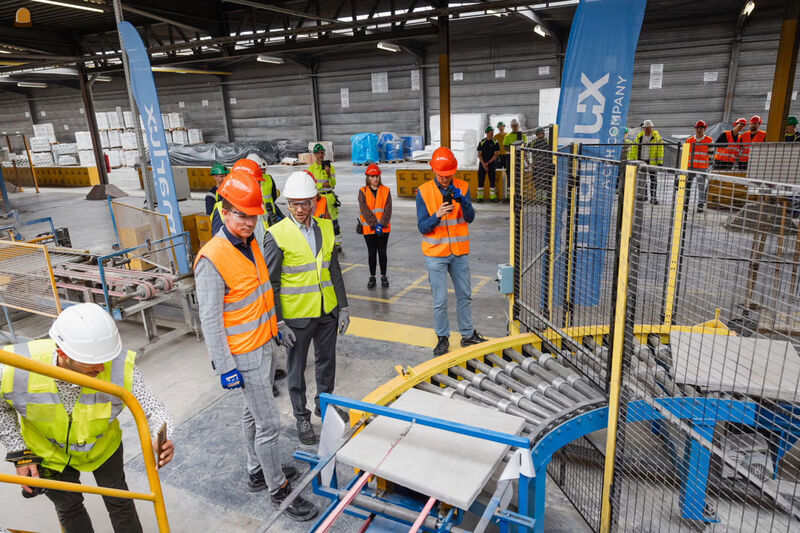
699, 154
727, 153
321, 209
248, 310
451, 236
748, 138
377, 204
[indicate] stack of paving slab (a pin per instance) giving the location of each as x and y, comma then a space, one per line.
466, 129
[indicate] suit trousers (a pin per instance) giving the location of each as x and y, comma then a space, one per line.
323, 332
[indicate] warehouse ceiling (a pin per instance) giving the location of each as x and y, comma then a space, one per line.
210, 35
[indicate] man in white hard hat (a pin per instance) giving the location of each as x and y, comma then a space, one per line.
55, 429
649, 147
310, 299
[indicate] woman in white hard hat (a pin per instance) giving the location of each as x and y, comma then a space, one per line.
58, 436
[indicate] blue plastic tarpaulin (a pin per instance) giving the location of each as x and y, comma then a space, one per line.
364, 148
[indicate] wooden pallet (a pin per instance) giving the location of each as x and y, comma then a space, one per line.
395, 161
292, 164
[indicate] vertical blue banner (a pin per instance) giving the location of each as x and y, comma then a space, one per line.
592, 110
144, 90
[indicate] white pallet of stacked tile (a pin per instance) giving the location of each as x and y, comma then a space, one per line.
84, 140
180, 137
115, 120
127, 119
130, 157
43, 159
67, 160
176, 121
104, 138
195, 136
40, 144
114, 158
114, 140
102, 120
65, 149
86, 158
128, 140
45, 130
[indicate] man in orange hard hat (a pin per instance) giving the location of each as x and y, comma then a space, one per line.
444, 212
239, 322
699, 160
753, 135
728, 150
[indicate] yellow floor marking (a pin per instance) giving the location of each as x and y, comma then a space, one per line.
394, 332
393, 299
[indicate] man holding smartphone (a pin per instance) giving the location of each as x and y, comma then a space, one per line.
444, 212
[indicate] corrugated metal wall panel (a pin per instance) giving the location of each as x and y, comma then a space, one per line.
686, 53
14, 120
62, 107
756, 68
396, 111
272, 102
520, 55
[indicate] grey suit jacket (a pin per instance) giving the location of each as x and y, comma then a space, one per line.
273, 256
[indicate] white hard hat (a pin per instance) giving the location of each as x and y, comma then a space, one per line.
87, 334
258, 159
647, 124
514, 122
300, 185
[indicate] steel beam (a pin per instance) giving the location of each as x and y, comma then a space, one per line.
785, 66
282, 10
733, 69
315, 102
91, 119
444, 79
148, 14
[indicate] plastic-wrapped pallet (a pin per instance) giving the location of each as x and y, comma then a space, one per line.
127, 119
128, 140
39, 144
84, 140
102, 120
86, 158
165, 120
130, 157
195, 136
114, 158
458, 121
168, 135
65, 149
507, 118
45, 130
176, 121
180, 137
104, 138
114, 140
115, 120
67, 160
43, 159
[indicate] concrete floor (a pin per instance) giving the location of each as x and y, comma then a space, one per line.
204, 486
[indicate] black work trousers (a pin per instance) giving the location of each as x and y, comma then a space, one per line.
376, 250
482, 172
72, 515
322, 331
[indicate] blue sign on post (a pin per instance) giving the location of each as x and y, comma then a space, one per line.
592, 110
144, 90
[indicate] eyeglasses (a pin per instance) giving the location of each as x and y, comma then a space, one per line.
242, 216
298, 204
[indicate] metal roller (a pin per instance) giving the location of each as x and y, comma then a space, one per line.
465, 388
546, 388
662, 351
531, 393
395, 511
484, 381
550, 363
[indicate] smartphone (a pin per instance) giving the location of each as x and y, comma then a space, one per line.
161, 439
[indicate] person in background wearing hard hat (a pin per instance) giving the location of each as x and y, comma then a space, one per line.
699, 160
753, 135
502, 161
649, 147
375, 204
325, 176
444, 213
488, 152
728, 150
238, 319
310, 299
269, 191
514, 137
55, 429
792, 135
219, 172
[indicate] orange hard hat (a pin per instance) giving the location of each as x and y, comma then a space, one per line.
244, 192
443, 162
741, 121
250, 167
700, 124
756, 119
373, 170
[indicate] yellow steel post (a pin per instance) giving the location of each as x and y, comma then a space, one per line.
513, 325
617, 343
30, 162
69, 376
573, 210
677, 237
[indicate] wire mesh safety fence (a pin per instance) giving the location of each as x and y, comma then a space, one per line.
135, 227
26, 281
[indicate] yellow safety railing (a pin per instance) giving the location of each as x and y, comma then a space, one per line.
155, 495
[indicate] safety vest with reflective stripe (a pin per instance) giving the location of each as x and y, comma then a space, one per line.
747, 139
306, 287
248, 309
451, 235
699, 151
266, 190
376, 202
728, 153
83, 439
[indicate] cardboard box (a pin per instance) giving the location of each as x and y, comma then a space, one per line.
306, 158
130, 237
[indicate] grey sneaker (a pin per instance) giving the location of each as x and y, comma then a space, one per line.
305, 433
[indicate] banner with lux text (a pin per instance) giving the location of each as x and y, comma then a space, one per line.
592, 111
144, 91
